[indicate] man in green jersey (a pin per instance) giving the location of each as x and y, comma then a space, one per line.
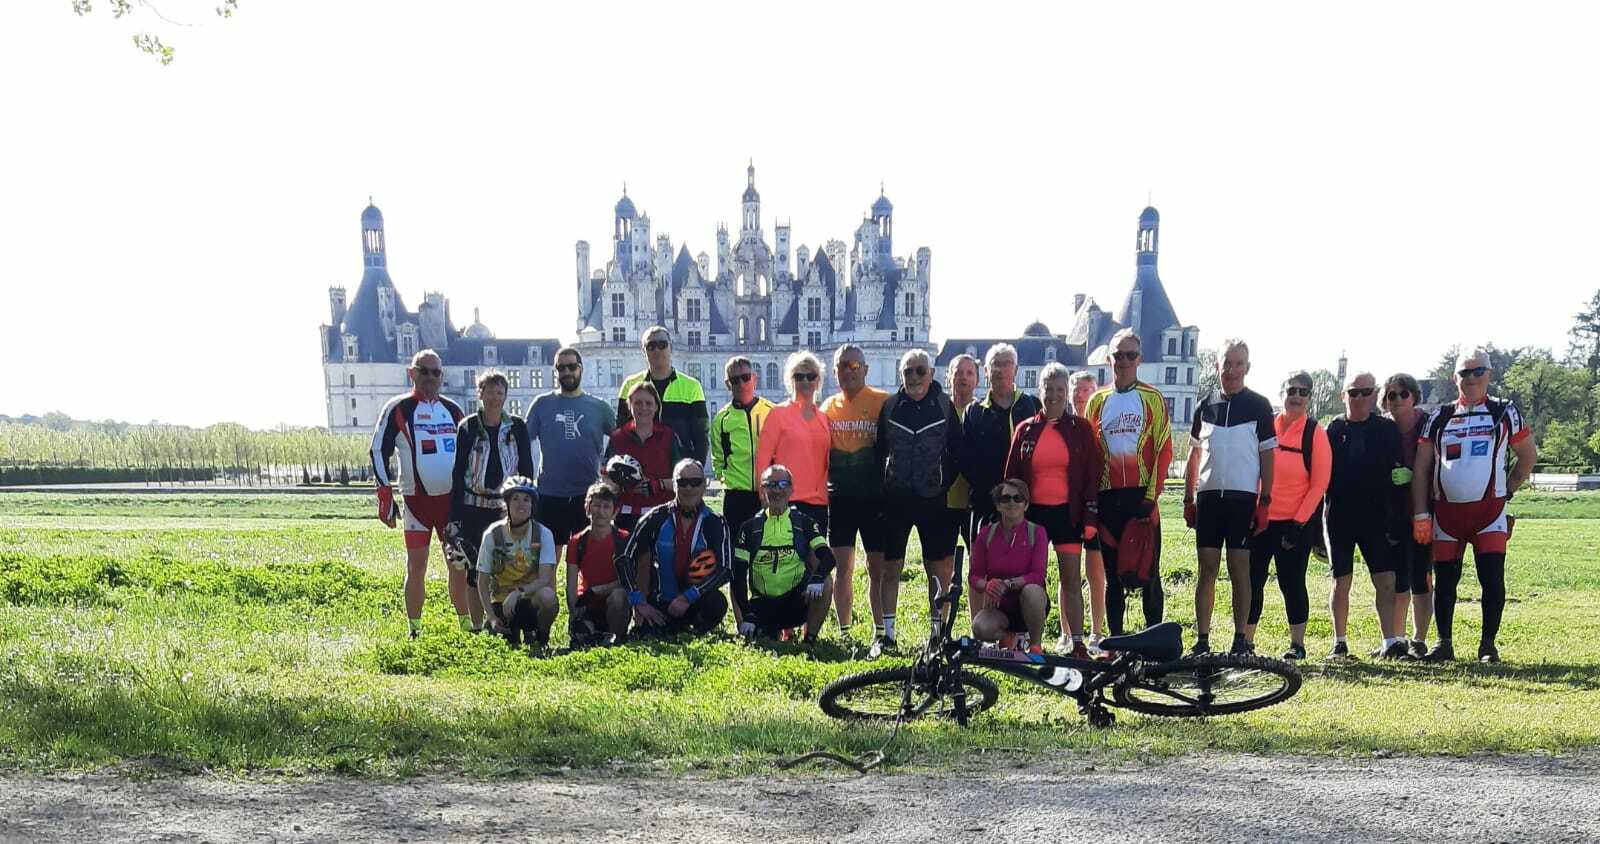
781, 563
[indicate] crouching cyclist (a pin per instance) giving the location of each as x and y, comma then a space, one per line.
677, 560
517, 569
596, 601
781, 564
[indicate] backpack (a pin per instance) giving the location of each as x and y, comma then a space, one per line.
1136, 553
1319, 539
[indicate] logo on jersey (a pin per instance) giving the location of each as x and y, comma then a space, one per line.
449, 446
1452, 451
430, 446
1480, 448
569, 423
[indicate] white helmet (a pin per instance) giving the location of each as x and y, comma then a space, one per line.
624, 469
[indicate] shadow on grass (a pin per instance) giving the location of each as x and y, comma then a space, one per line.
1570, 676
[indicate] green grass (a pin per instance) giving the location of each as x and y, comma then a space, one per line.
264, 633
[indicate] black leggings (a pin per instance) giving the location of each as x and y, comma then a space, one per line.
1492, 579
523, 624
1280, 541
1117, 507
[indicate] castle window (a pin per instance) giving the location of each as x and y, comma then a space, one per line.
1188, 375
814, 309
692, 312
1050, 353
1172, 347
814, 339
744, 329
711, 340
535, 356
515, 406
1191, 349
694, 338
469, 379
354, 422
1188, 410
619, 305
616, 373
894, 335
772, 376
352, 382
1172, 375
472, 405
1170, 408
1102, 378
762, 322
536, 379
1030, 378
514, 379
352, 404
911, 304
911, 334
694, 371
619, 334
491, 355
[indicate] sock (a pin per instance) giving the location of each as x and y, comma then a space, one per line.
416, 625
1077, 640
1339, 640
844, 625
888, 625
465, 621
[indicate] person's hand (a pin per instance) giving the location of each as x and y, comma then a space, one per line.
1259, 523
1400, 476
678, 607
1422, 529
649, 615
814, 591
746, 629
1090, 532
387, 512
995, 589
1189, 511
508, 607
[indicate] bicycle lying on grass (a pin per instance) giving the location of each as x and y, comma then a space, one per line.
1148, 675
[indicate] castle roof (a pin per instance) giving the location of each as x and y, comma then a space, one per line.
625, 208
1031, 350
883, 207
364, 320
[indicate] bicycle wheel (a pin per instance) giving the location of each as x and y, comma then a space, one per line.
883, 694
1210, 684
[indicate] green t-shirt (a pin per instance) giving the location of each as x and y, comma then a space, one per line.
779, 563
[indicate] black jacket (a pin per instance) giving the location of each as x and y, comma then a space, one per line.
987, 431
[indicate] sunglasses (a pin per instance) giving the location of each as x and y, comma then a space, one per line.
1126, 356
690, 482
918, 371
1297, 391
1396, 395
1005, 498
568, 367
849, 365
740, 378
1475, 372
777, 483
427, 370
805, 376
1360, 392
656, 345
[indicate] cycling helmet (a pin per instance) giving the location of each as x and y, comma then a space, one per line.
624, 469
519, 483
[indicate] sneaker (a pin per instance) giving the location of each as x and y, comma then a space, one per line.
1201, 646
1064, 644
881, 646
1396, 651
1419, 649
1242, 647
1488, 653
415, 634
1376, 653
809, 639
1341, 650
1094, 646
1022, 643
1442, 652
1036, 649
1295, 653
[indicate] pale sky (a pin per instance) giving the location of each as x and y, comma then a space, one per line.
1384, 178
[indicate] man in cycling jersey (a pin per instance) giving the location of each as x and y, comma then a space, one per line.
683, 401
1227, 488
855, 477
677, 560
420, 427
734, 435
1461, 467
781, 563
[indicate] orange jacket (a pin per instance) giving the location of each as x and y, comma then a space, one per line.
1295, 492
802, 446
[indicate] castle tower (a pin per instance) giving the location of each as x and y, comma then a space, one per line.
750, 226
622, 235
883, 224
780, 258
336, 305
724, 251
372, 245
585, 284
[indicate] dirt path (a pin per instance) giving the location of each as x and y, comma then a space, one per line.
1482, 799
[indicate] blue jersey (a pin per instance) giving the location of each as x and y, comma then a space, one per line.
572, 432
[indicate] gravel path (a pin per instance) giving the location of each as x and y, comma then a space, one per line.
1480, 799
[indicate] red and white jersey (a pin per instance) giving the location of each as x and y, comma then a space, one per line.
423, 433
1470, 445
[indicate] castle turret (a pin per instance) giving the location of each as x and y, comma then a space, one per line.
372, 245
780, 258
724, 251
802, 262
585, 285
751, 223
336, 305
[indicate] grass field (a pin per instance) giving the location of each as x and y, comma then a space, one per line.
264, 633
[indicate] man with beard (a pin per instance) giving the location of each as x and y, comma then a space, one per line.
571, 428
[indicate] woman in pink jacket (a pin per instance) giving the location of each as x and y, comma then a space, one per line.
797, 436
1009, 557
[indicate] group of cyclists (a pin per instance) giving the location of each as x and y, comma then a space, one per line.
1077, 469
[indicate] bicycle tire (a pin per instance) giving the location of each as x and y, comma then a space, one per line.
1188, 687
886, 687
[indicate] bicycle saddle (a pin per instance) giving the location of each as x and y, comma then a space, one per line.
1161, 643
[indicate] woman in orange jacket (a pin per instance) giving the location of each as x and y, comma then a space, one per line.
1299, 480
797, 435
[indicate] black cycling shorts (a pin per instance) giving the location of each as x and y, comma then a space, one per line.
778, 612
1054, 519
961, 523
1345, 536
817, 512
1224, 520
1418, 559
902, 513
739, 506
563, 515
474, 521
849, 516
